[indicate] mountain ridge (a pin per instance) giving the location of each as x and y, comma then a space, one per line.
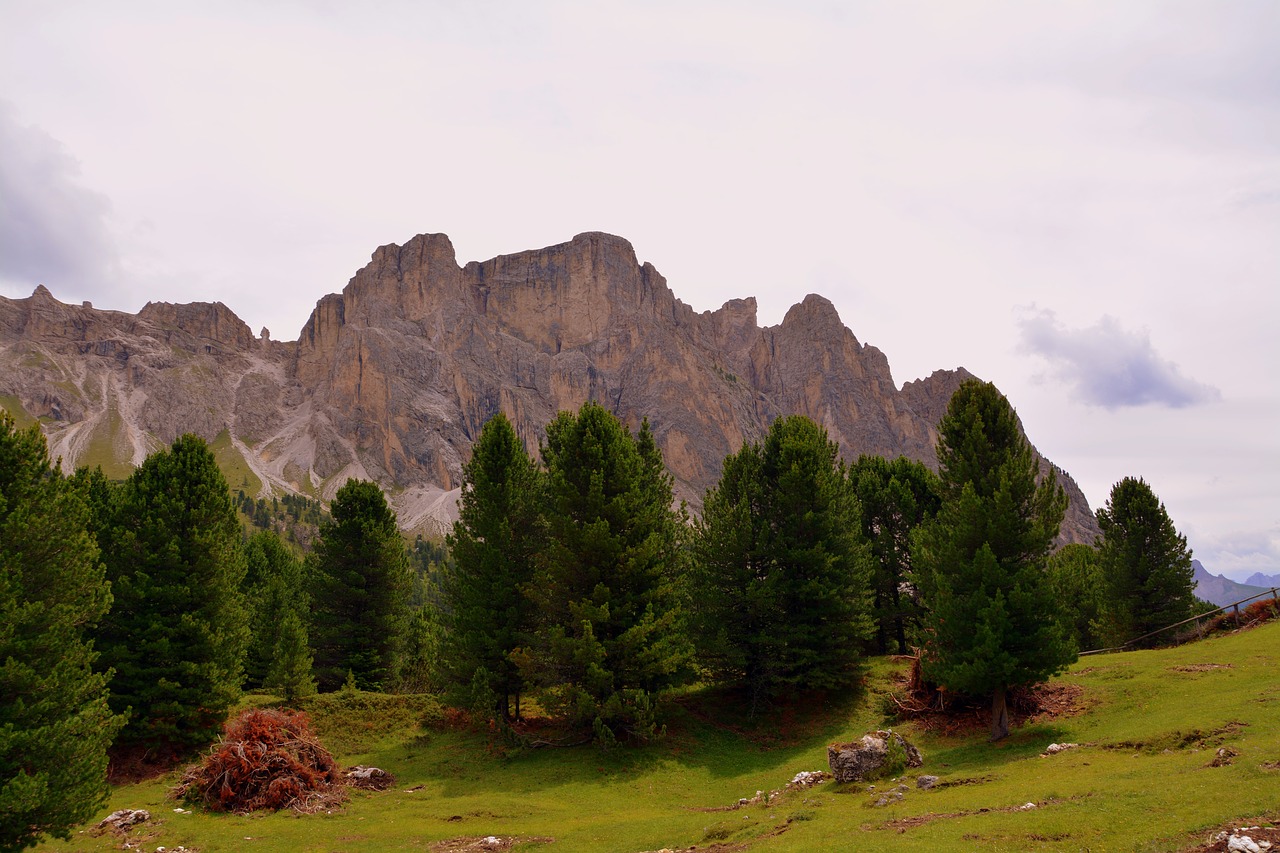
392, 378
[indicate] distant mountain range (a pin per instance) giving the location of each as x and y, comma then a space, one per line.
1223, 591
392, 379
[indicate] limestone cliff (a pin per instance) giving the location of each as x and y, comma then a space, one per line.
393, 378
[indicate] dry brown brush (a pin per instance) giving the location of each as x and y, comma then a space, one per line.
267, 759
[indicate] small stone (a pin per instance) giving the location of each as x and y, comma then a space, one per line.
1026, 807
1242, 844
924, 783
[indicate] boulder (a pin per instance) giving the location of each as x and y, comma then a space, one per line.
369, 778
124, 818
877, 754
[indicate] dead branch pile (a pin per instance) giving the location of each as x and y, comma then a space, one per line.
267, 759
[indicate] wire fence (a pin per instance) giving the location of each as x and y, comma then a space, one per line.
1236, 605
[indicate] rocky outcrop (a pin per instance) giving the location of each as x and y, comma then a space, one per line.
875, 755
393, 378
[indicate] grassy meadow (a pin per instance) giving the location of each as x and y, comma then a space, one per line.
1149, 724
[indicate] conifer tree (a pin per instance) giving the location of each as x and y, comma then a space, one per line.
895, 497
177, 633
361, 583
279, 654
55, 725
493, 545
781, 574
1080, 589
1145, 561
612, 636
990, 620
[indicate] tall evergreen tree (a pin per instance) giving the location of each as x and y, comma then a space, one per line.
361, 585
279, 654
177, 633
608, 589
1145, 561
55, 725
991, 620
1080, 590
782, 576
493, 545
895, 497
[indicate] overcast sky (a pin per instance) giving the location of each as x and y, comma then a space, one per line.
1078, 201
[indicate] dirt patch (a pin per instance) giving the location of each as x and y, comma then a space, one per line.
1196, 738
1218, 839
1201, 667
130, 763
953, 716
902, 824
485, 843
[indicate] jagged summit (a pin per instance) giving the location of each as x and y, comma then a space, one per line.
393, 378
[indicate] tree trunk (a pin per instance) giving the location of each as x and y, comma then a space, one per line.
999, 715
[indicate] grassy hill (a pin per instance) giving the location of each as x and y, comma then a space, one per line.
1149, 722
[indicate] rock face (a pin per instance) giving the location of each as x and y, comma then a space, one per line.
392, 379
872, 757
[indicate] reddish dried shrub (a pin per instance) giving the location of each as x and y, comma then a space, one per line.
267, 759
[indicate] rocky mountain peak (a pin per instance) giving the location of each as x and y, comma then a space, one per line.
393, 378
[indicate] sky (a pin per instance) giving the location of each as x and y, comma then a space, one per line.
1079, 202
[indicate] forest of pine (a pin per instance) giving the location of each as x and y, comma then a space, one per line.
134, 613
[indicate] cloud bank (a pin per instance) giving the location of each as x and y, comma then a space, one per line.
52, 229
1108, 366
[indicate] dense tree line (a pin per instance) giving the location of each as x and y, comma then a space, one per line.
140, 609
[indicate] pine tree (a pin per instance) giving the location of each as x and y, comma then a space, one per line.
782, 575
493, 545
990, 619
55, 725
608, 589
1145, 561
361, 584
895, 497
177, 633
1080, 589
279, 654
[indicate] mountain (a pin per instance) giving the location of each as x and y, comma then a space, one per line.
1222, 590
392, 379
1259, 579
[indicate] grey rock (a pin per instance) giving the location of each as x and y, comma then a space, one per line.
868, 757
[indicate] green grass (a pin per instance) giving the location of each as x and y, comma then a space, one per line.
235, 470
1140, 782
108, 447
21, 418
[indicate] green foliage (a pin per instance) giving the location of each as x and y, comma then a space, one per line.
493, 546
607, 589
274, 590
177, 633
781, 576
1146, 563
990, 619
1080, 590
361, 582
55, 724
895, 497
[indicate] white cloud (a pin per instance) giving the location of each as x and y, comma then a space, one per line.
53, 230
1106, 365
